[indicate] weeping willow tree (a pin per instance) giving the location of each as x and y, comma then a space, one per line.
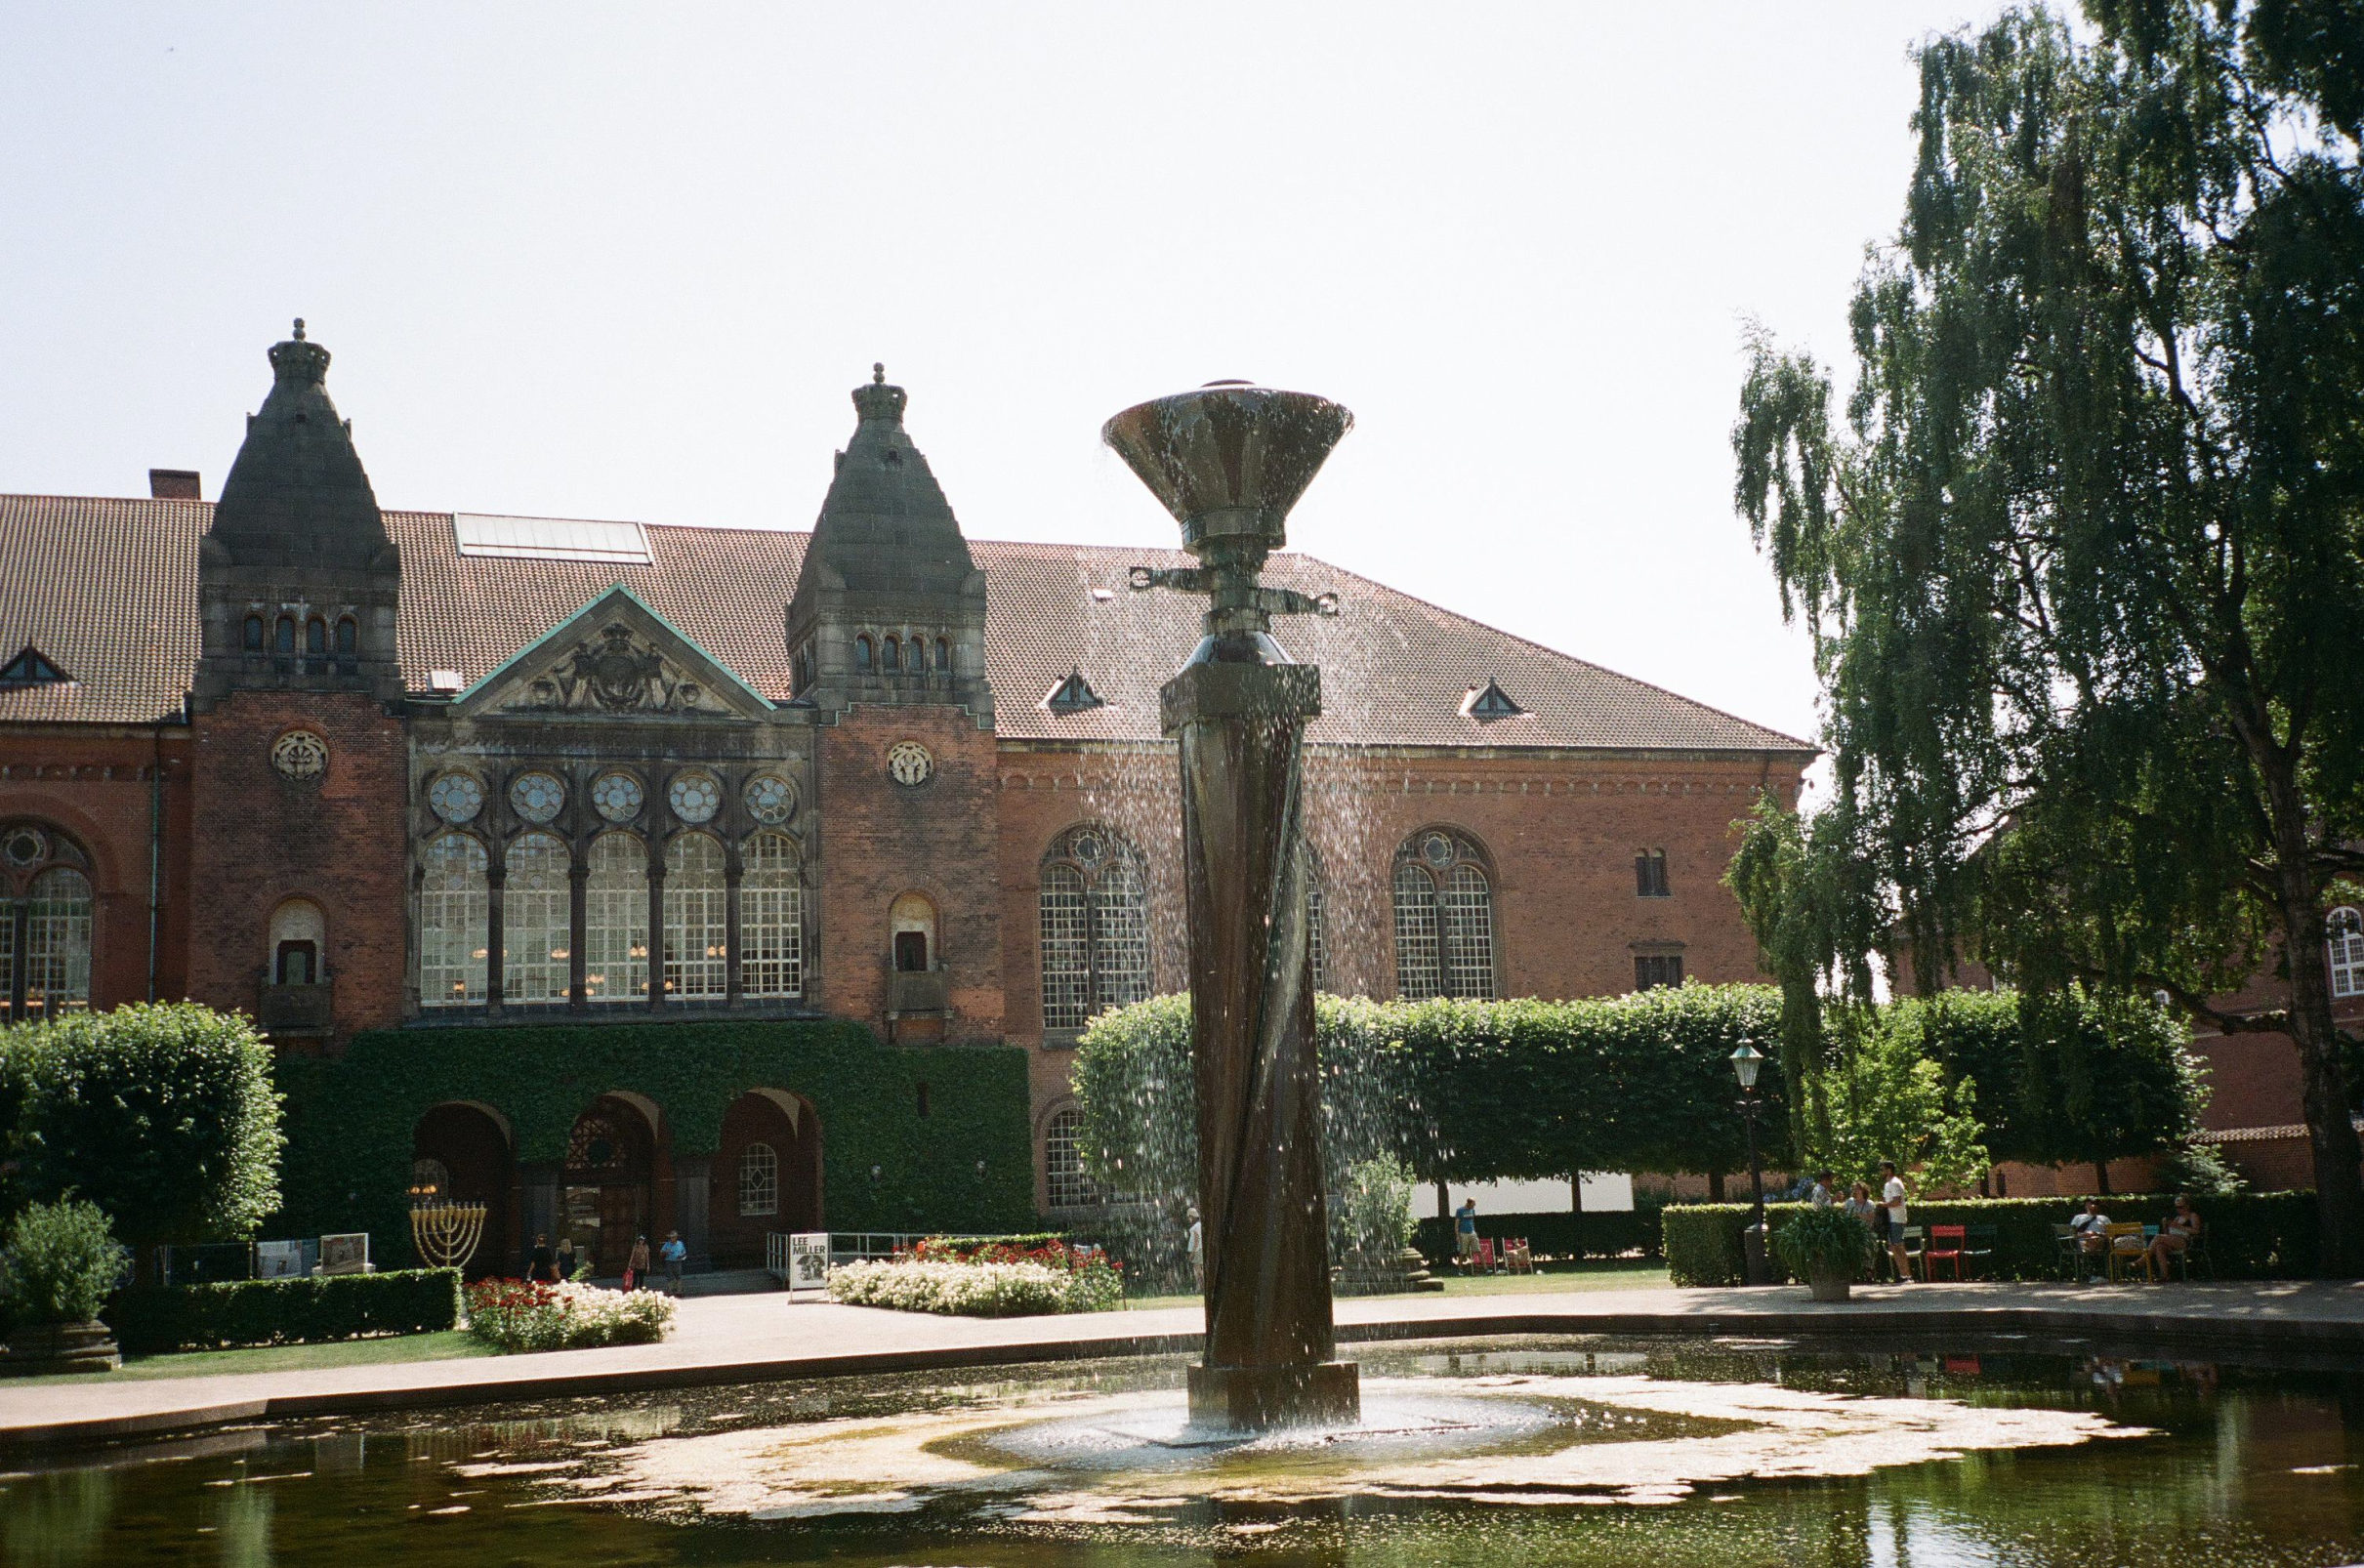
2081, 555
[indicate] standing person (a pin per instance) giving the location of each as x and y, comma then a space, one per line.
635, 1268
1194, 1243
541, 1261
673, 1252
565, 1258
1465, 1230
1891, 1196
1825, 1192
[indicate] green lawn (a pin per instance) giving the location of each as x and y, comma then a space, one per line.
1612, 1274
440, 1347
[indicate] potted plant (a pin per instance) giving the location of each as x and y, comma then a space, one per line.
1827, 1247
59, 1267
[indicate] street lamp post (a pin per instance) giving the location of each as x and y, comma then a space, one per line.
1745, 1063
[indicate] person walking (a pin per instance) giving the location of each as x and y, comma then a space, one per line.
635, 1268
1891, 1197
1465, 1232
565, 1256
673, 1253
541, 1261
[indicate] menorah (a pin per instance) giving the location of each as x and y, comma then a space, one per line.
447, 1233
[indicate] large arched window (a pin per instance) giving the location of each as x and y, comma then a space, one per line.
1095, 915
758, 1181
1444, 918
1065, 1185
771, 918
698, 953
45, 924
536, 921
615, 920
453, 909
2346, 928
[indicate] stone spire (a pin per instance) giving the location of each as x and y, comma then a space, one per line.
886, 561
298, 536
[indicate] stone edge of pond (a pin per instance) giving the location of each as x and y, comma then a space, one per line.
1855, 1320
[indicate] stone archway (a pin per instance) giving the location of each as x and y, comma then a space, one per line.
463, 1149
767, 1175
607, 1183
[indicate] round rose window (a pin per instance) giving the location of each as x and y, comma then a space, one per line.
536, 796
695, 797
300, 755
617, 796
456, 798
909, 764
771, 798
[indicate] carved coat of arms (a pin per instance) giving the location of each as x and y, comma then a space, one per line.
615, 674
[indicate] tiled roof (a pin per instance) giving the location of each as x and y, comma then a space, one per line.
107, 590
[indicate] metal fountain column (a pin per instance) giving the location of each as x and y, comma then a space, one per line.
1230, 461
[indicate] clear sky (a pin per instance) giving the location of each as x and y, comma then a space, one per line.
610, 262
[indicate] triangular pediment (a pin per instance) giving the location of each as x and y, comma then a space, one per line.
616, 657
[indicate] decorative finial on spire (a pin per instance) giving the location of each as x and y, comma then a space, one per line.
878, 371
298, 329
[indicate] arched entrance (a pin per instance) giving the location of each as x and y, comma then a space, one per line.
607, 1188
461, 1151
767, 1175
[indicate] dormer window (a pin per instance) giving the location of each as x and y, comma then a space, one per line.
30, 668
1072, 696
1490, 701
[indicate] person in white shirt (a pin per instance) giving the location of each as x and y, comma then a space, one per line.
1891, 1196
1822, 1197
2091, 1230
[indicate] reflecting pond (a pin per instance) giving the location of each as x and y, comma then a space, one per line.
1594, 1450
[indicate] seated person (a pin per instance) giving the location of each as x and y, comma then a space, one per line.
2182, 1227
2089, 1231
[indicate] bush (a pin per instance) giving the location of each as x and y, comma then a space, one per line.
1373, 1220
1823, 1240
58, 1265
514, 1314
1020, 1287
285, 1311
162, 1115
2269, 1235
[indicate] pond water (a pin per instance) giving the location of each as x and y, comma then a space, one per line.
1562, 1451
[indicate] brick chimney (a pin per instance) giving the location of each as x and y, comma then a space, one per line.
173, 484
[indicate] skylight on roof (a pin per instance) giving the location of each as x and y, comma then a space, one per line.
613, 543
1072, 696
30, 668
1490, 701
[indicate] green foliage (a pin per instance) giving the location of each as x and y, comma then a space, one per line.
2199, 1172
2266, 1235
1373, 1219
162, 1115
58, 1265
351, 1121
1830, 1240
2084, 567
284, 1311
1885, 1100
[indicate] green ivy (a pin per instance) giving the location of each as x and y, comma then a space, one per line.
350, 1120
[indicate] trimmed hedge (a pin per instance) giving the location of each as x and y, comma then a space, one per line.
284, 1311
2264, 1235
351, 1120
1603, 1233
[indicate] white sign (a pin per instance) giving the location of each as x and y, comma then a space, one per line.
279, 1260
807, 1262
348, 1254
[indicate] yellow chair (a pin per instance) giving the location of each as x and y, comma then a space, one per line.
2127, 1249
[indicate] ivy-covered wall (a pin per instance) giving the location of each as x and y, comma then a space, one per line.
350, 1121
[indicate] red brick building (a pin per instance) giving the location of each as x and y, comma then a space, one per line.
352, 768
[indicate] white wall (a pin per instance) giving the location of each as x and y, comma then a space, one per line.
1603, 1191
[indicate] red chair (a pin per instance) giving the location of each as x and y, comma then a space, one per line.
1485, 1255
1945, 1245
1517, 1257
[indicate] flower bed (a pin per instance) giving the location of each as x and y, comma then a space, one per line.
991, 1279
512, 1314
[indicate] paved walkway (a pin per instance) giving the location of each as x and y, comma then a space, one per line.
745, 1339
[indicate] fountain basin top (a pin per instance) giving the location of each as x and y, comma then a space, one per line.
1229, 460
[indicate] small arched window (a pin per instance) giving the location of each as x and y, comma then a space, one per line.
2347, 932
891, 657
758, 1181
348, 637
1444, 918
315, 637
298, 934
254, 634
918, 655
943, 654
1094, 907
284, 643
861, 654
911, 923
1649, 874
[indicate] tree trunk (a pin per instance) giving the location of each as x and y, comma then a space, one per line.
2102, 1178
1714, 1187
1576, 1213
1444, 1202
2331, 1136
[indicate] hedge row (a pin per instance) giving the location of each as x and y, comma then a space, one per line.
2265, 1235
284, 1311
351, 1120
1607, 1233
